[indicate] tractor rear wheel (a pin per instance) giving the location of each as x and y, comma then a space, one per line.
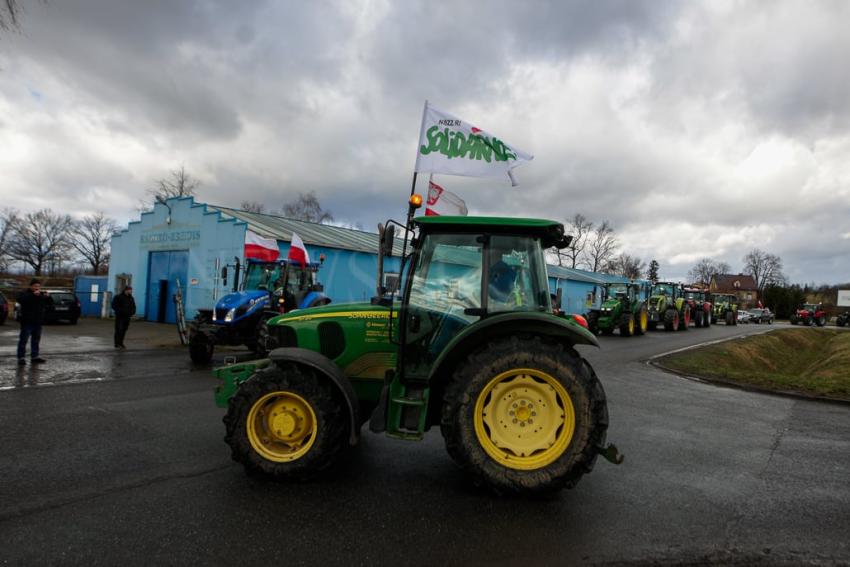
627, 325
286, 423
729, 318
641, 321
808, 321
671, 320
706, 319
523, 415
820, 321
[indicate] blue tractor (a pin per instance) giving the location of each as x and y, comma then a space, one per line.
239, 318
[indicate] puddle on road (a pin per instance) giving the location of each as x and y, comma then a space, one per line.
52, 342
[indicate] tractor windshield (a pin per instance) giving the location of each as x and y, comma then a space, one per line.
663, 289
618, 291
811, 307
299, 278
262, 275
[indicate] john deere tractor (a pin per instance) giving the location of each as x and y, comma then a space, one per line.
472, 346
239, 318
725, 308
667, 306
698, 300
621, 309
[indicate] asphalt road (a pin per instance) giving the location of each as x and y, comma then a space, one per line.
117, 458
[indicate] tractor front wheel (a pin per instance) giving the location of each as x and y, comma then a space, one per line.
641, 321
524, 416
729, 318
671, 320
627, 325
685, 318
698, 319
286, 423
820, 321
200, 348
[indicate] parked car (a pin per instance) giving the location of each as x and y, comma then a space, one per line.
743, 316
760, 315
64, 306
4, 308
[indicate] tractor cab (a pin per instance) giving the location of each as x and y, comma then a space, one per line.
292, 285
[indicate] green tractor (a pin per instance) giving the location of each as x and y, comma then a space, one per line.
725, 308
472, 346
668, 307
621, 309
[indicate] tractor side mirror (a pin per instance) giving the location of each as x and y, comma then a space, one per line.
387, 234
564, 242
224, 276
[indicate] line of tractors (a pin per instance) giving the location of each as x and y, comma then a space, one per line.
635, 308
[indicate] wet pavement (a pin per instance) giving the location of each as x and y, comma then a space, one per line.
126, 465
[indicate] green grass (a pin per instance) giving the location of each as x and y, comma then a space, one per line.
808, 361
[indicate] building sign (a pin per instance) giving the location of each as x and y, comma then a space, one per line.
844, 297
173, 238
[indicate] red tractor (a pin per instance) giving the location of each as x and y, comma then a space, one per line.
808, 314
698, 299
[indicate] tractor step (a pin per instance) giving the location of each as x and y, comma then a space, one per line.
407, 412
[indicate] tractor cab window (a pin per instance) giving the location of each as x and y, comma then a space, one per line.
517, 278
618, 292
262, 276
663, 289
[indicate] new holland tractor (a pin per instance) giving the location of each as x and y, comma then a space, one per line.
667, 307
472, 347
621, 309
239, 318
809, 314
698, 300
724, 308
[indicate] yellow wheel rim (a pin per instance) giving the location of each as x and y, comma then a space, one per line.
631, 326
524, 419
281, 426
644, 320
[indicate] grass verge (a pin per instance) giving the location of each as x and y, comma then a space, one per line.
814, 362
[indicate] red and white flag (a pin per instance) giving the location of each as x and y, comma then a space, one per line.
442, 202
297, 251
260, 248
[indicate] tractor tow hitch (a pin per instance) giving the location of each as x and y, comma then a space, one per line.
611, 453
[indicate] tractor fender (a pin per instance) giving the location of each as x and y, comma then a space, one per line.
331, 371
508, 324
312, 299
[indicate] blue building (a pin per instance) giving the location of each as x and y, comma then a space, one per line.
184, 243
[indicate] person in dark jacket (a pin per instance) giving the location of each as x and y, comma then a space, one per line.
124, 306
33, 303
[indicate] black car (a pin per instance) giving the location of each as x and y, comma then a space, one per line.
761, 316
63, 306
4, 308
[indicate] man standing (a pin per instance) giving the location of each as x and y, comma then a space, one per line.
125, 307
33, 303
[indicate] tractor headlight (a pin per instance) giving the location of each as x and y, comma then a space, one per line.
230, 314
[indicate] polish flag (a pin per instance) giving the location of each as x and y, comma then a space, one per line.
297, 251
260, 248
442, 202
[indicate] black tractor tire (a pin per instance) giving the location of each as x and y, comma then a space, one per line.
706, 319
593, 322
671, 320
685, 318
839, 321
698, 319
641, 315
200, 348
820, 321
729, 318
265, 343
560, 362
331, 427
808, 321
627, 325
713, 320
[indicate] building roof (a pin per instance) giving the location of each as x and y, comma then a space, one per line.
329, 236
735, 282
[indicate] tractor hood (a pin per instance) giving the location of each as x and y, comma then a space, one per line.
609, 304
337, 310
239, 298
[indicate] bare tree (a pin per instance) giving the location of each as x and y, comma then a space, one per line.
41, 238
705, 268
252, 207
579, 227
8, 218
765, 268
178, 184
600, 247
9, 13
307, 208
627, 266
91, 236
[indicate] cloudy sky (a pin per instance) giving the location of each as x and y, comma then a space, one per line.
697, 129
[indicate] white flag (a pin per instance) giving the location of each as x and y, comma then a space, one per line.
442, 202
452, 146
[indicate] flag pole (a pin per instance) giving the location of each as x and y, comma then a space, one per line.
413, 185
